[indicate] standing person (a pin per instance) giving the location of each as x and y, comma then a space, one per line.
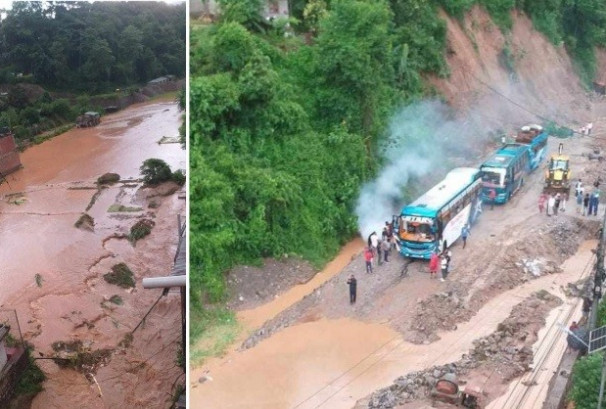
579, 201
378, 251
564, 199
578, 187
444, 267
434, 264
586, 307
374, 244
465, 234
596, 200
353, 284
368, 259
492, 195
550, 205
589, 128
386, 247
586, 201
542, 199
556, 204
385, 234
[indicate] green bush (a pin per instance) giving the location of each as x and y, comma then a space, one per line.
178, 177
30, 382
155, 171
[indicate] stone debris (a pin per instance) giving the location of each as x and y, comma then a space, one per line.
506, 352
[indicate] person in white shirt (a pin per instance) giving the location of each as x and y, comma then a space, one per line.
589, 128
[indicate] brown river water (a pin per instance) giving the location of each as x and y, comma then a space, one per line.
37, 215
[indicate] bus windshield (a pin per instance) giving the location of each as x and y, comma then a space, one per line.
416, 228
493, 176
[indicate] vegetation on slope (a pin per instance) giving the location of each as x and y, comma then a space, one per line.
285, 123
81, 47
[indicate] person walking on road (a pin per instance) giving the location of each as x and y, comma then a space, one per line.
434, 264
368, 259
386, 247
492, 196
586, 201
542, 199
465, 234
564, 200
550, 205
353, 284
556, 204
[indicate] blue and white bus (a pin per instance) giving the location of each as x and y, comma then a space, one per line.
504, 172
435, 220
536, 138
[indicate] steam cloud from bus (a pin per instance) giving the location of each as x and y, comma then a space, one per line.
424, 137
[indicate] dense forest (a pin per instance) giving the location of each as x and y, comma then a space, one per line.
73, 50
92, 46
287, 116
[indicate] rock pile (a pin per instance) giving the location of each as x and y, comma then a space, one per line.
506, 352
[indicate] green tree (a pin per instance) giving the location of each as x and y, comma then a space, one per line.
354, 63
155, 171
586, 376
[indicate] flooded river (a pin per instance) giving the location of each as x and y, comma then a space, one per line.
70, 302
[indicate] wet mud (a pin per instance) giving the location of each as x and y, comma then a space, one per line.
72, 301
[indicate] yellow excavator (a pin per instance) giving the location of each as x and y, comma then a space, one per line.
558, 175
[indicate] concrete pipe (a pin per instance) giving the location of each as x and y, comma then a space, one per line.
165, 282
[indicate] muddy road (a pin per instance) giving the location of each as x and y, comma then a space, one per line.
320, 352
70, 300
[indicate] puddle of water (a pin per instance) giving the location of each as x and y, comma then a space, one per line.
332, 364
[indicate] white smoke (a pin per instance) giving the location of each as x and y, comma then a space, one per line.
425, 136
422, 138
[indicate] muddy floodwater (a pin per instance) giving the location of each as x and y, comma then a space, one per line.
334, 363
70, 299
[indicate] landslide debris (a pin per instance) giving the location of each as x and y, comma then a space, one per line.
121, 275
78, 356
251, 286
504, 355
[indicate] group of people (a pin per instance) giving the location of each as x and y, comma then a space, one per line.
379, 247
586, 203
552, 203
441, 261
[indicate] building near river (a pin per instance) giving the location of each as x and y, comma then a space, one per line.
9, 154
13, 357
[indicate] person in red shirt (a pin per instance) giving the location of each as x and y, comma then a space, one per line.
492, 195
368, 258
434, 263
